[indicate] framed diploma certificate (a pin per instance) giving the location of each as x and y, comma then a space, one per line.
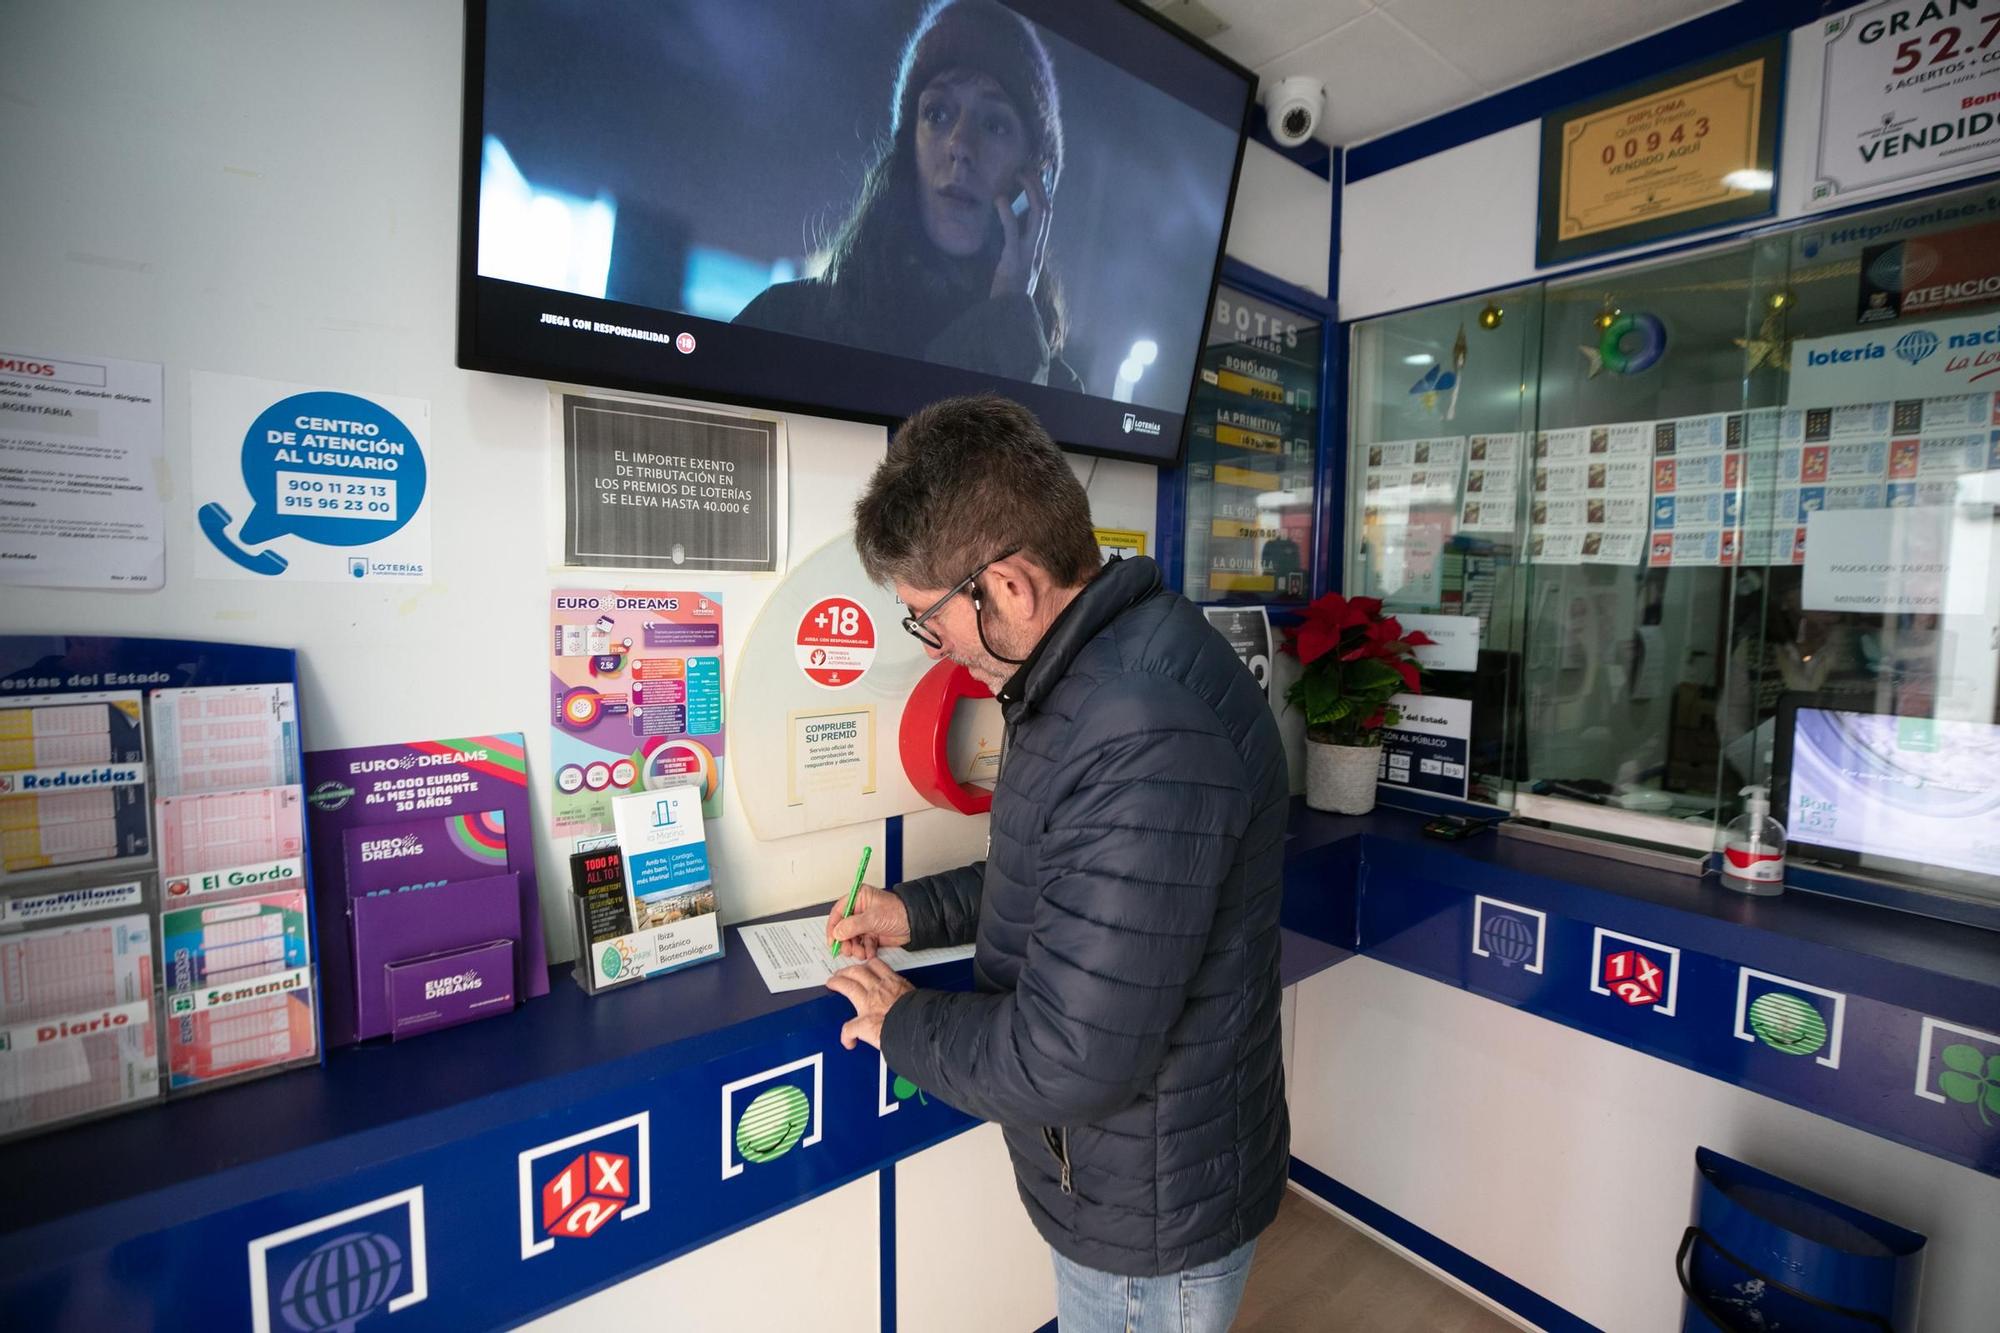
1694, 148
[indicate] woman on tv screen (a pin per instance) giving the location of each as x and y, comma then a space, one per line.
944, 257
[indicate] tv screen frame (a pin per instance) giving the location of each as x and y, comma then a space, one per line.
512, 328
1946, 880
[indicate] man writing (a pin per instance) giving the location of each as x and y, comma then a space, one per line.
1124, 1027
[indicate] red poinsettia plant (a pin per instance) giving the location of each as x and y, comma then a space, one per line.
1354, 660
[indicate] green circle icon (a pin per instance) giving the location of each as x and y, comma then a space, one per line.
773, 1123
611, 960
1787, 1023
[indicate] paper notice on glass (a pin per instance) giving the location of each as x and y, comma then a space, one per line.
1454, 641
1248, 632
1618, 547
80, 464
1482, 513
1930, 561
1503, 450
793, 955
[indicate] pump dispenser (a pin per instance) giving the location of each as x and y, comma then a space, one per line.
1753, 847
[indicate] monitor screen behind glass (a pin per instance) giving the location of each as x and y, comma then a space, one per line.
1915, 796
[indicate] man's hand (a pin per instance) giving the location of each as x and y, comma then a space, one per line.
871, 987
880, 921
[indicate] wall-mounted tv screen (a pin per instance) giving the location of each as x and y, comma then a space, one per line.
851, 208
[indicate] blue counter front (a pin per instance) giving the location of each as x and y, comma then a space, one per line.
476, 1178
471, 1179
1853, 1011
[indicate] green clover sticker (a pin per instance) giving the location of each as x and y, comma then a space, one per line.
902, 1090
1972, 1079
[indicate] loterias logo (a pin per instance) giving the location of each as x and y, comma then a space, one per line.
1139, 425
1914, 347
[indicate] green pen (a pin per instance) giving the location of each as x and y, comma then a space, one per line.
854, 892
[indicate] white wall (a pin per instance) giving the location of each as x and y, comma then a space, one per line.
1567, 1162
815, 1266
1283, 222
1464, 220
271, 189
966, 1255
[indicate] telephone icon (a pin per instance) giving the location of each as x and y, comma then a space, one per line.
215, 521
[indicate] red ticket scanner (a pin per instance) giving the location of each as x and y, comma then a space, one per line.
925, 731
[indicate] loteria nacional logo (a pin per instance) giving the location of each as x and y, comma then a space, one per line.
1914, 347
1509, 934
338, 1270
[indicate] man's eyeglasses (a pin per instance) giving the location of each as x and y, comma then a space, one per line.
915, 624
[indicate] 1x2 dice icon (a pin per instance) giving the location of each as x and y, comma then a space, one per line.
1634, 978
586, 1194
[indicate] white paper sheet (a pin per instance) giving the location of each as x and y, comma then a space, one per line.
80, 463
792, 955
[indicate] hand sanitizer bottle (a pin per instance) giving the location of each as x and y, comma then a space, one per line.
1753, 847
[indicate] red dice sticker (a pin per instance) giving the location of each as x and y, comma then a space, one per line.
586, 1193
1642, 974
572, 1187
1634, 978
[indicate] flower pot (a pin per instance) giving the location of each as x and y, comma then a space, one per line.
1341, 778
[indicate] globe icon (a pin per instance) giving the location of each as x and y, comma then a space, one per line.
341, 1283
1508, 938
1916, 345
1786, 1023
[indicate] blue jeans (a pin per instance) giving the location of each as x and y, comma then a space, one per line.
1202, 1299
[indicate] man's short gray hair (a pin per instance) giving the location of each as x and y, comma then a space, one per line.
965, 480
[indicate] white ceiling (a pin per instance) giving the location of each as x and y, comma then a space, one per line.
1388, 64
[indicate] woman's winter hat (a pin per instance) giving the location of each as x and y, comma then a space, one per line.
983, 36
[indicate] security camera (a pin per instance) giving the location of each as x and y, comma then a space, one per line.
1295, 108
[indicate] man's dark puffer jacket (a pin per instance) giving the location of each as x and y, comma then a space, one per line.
1124, 1030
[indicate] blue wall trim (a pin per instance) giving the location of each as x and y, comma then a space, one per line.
886, 1283
892, 851
1489, 1282
1745, 21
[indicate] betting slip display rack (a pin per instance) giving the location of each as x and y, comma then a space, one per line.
155, 902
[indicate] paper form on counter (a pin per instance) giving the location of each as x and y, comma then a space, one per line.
792, 955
